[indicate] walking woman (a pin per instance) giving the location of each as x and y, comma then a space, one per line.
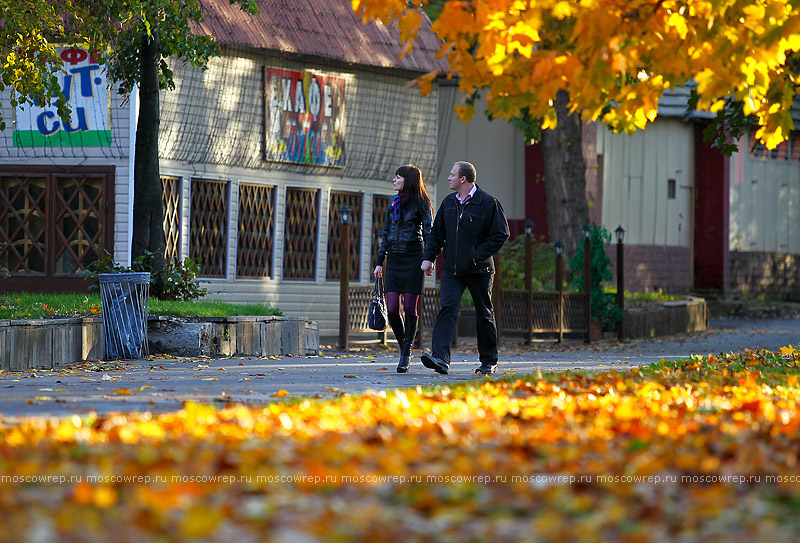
405, 230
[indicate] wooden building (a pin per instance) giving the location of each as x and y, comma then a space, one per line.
306, 110
694, 219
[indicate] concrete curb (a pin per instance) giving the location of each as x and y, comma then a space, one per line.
678, 317
47, 343
234, 336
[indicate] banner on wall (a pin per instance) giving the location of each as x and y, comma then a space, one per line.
85, 86
305, 119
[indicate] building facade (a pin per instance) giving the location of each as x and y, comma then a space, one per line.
305, 111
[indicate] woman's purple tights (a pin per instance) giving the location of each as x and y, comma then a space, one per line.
409, 304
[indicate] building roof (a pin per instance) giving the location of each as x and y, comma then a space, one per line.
674, 103
319, 28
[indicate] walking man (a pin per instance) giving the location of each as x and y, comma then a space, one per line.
471, 227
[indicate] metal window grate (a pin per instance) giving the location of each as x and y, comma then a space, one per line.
54, 224
353, 200
78, 217
785, 151
256, 231
23, 212
208, 226
379, 205
171, 195
300, 234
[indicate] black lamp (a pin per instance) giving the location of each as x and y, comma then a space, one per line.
528, 224
620, 232
587, 231
559, 248
345, 214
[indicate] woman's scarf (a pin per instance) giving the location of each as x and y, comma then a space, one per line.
394, 207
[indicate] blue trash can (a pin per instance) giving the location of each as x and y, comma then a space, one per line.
124, 297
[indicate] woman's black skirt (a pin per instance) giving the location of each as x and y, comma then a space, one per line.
403, 273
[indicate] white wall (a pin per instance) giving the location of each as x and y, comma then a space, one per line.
497, 150
637, 170
765, 200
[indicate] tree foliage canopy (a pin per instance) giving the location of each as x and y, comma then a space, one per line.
31, 30
119, 25
29, 63
615, 58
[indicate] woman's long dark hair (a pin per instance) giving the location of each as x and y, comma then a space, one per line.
414, 187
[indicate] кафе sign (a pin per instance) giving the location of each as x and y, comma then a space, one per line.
305, 120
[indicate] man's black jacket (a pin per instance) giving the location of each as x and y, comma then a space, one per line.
408, 234
470, 234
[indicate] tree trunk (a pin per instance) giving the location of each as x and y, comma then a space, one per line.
565, 178
148, 214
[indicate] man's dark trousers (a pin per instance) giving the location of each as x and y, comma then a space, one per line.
451, 289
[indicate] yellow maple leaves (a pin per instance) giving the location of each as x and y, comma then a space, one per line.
730, 49
577, 457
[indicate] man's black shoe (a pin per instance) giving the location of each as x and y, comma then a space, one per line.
486, 369
436, 364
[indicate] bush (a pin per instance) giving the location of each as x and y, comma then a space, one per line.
512, 265
4, 273
604, 307
175, 281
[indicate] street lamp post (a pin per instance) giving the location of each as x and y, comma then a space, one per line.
560, 288
497, 295
620, 232
345, 219
587, 279
528, 224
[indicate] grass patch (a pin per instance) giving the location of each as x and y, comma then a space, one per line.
658, 296
209, 309
24, 305
769, 367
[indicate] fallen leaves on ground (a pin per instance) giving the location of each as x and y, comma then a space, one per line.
693, 450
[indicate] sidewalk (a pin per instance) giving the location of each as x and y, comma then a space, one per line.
161, 384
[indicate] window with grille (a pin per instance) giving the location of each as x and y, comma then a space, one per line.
255, 231
353, 200
53, 225
171, 197
208, 226
379, 205
300, 234
23, 223
78, 236
788, 150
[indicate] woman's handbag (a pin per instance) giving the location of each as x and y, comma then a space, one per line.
376, 318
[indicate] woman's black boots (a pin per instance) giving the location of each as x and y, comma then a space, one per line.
396, 322
405, 347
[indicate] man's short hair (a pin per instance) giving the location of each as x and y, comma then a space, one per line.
465, 169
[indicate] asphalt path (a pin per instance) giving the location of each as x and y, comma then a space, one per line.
161, 384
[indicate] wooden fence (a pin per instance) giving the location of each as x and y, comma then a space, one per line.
552, 313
